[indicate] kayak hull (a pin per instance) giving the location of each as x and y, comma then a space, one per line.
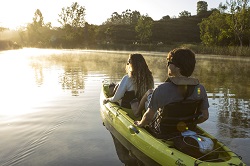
150, 150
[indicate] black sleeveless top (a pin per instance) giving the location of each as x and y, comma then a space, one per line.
127, 98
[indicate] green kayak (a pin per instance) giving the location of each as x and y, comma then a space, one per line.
150, 150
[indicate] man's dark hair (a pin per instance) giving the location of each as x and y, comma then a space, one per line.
184, 59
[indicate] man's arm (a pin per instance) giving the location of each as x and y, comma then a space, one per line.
146, 119
204, 116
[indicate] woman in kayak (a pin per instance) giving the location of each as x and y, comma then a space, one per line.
135, 83
178, 87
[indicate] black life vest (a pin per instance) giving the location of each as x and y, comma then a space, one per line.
178, 116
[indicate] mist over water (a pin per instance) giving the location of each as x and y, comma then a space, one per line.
50, 113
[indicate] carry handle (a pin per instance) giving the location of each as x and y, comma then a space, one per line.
131, 127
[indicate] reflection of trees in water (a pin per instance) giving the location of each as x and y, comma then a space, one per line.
38, 69
77, 65
228, 82
111, 63
232, 114
227, 74
72, 79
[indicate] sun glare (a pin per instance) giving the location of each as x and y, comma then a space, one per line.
14, 93
14, 14
20, 92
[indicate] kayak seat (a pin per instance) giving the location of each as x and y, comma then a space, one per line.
175, 118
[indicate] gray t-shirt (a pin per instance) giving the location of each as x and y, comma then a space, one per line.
168, 93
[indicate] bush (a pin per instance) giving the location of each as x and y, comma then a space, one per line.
8, 45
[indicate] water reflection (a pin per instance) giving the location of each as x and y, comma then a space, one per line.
227, 83
225, 75
38, 72
124, 155
72, 79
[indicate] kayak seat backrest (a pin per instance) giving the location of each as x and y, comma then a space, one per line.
186, 111
176, 117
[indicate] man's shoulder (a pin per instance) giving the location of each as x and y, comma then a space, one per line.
200, 86
166, 86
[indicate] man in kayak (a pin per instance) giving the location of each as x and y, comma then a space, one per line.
178, 87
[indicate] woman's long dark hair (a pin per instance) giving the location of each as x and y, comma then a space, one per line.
141, 75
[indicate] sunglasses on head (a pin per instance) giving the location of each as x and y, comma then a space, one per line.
128, 62
170, 62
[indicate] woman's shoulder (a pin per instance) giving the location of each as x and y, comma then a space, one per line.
126, 78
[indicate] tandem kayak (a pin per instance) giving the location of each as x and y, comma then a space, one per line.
153, 151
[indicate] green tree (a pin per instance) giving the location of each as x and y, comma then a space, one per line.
230, 24
72, 20
222, 8
127, 17
37, 31
119, 28
184, 14
38, 18
144, 28
247, 31
115, 19
201, 7
214, 30
239, 18
90, 32
135, 15
73, 16
165, 18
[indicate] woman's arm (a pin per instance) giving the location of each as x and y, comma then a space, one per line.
119, 91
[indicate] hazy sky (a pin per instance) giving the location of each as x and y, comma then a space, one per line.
14, 13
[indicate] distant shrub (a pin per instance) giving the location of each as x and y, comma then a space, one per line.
8, 45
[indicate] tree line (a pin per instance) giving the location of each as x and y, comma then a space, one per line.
227, 25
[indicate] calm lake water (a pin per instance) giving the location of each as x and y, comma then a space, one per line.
50, 113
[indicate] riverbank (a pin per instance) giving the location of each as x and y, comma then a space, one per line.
160, 47
220, 50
